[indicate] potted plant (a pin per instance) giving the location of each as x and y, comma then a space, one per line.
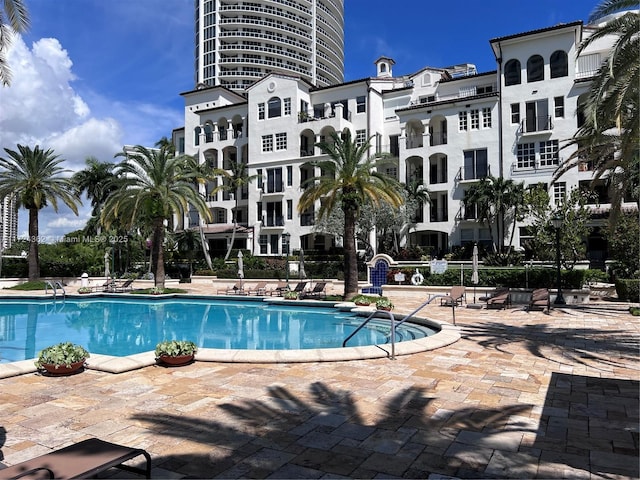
84, 290
363, 300
290, 295
383, 303
62, 359
176, 352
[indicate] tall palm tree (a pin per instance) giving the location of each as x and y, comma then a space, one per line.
609, 137
97, 181
235, 179
14, 18
349, 177
153, 185
497, 200
37, 180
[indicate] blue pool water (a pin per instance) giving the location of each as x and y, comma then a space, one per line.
123, 327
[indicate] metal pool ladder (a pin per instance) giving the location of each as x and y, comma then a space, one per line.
54, 286
395, 324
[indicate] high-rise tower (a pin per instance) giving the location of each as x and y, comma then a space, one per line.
238, 42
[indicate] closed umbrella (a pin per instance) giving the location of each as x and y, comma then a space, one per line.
107, 272
241, 270
474, 274
301, 271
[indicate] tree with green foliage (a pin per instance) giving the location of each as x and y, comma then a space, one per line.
234, 180
499, 202
574, 231
153, 185
349, 177
97, 181
609, 137
623, 238
14, 18
37, 180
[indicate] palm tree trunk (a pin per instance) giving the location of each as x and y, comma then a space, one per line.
158, 251
350, 257
34, 259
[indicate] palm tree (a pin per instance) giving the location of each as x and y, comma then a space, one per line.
235, 179
497, 199
14, 18
349, 178
36, 179
609, 137
97, 181
153, 185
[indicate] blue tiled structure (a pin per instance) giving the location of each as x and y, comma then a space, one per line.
378, 269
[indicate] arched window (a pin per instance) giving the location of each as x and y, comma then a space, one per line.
559, 64
196, 138
535, 69
208, 133
274, 107
512, 75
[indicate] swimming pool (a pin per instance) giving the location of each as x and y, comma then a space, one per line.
122, 327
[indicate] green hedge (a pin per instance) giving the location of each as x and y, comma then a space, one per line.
517, 277
628, 290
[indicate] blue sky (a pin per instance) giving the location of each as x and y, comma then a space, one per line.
93, 75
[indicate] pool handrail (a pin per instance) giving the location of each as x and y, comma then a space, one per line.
394, 325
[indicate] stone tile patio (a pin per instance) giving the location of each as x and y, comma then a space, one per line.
521, 395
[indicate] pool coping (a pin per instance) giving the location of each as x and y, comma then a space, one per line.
446, 335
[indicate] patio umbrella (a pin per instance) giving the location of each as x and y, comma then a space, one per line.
301, 271
241, 270
107, 272
474, 274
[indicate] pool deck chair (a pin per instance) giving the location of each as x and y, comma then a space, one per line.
122, 287
300, 287
260, 289
235, 290
105, 287
540, 300
500, 299
318, 291
279, 290
456, 295
81, 460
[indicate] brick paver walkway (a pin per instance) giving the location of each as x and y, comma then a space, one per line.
521, 395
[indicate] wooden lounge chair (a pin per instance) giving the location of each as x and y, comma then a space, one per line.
81, 460
235, 290
540, 299
456, 296
318, 291
279, 289
259, 289
122, 287
501, 298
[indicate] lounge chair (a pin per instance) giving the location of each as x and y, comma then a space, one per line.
300, 287
105, 287
501, 298
279, 290
259, 289
237, 289
122, 287
456, 296
81, 460
540, 300
318, 291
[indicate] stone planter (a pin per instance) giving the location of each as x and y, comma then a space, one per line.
177, 360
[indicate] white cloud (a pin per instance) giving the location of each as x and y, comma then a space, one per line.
42, 107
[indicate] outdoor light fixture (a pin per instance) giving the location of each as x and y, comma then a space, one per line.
285, 244
557, 222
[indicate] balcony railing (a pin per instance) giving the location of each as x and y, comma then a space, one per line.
273, 221
536, 124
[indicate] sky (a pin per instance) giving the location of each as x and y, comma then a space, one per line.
92, 75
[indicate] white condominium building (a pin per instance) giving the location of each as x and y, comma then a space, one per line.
447, 127
238, 42
8, 222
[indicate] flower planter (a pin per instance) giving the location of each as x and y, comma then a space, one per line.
176, 360
61, 370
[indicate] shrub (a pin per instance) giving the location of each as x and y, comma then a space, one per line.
175, 348
628, 290
61, 354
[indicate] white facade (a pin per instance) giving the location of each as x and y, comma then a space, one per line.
448, 127
237, 43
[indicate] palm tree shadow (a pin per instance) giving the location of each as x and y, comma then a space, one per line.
606, 347
284, 435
